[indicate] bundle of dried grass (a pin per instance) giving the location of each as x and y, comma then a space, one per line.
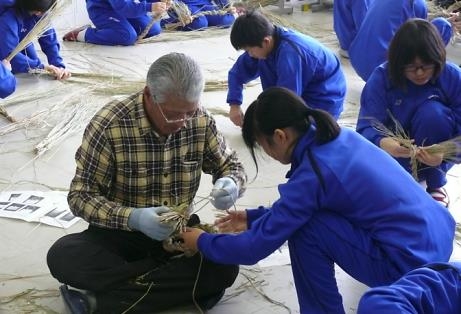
182, 12
99, 76
435, 10
43, 24
450, 149
73, 122
252, 4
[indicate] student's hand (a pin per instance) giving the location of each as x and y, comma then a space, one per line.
433, 160
147, 220
236, 115
235, 221
190, 238
224, 193
455, 21
167, 3
394, 148
58, 73
6, 64
158, 8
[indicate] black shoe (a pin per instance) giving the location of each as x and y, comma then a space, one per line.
75, 301
208, 302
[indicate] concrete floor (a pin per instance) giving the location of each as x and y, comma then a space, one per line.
41, 103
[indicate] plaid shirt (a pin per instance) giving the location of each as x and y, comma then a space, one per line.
123, 163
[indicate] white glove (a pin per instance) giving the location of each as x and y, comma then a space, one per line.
224, 193
147, 220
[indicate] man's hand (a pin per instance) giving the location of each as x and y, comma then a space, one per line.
236, 115
224, 193
147, 220
159, 8
233, 222
394, 148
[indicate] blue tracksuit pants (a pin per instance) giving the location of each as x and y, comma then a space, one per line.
113, 29
434, 289
330, 238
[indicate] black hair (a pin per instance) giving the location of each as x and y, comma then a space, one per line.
34, 5
278, 108
250, 29
415, 38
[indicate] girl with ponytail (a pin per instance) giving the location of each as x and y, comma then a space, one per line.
337, 207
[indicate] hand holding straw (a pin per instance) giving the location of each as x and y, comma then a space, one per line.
158, 10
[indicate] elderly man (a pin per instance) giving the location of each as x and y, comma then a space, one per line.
139, 158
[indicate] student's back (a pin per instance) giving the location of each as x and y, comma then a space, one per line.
369, 48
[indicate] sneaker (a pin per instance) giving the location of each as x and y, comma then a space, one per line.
440, 195
75, 301
73, 34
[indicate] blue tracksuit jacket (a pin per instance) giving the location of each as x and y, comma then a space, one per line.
297, 62
348, 15
7, 82
369, 47
442, 94
345, 202
14, 27
432, 289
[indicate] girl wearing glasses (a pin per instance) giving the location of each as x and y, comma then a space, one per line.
421, 91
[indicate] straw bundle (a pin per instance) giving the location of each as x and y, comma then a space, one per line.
43, 24
182, 11
253, 4
450, 149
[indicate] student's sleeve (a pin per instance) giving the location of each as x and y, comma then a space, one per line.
373, 107
267, 233
50, 47
130, 8
9, 40
243, 71
290, 70
7, 82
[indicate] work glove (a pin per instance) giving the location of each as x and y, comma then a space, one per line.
224, 193
147, 220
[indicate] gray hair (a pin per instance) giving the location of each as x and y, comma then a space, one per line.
175, 74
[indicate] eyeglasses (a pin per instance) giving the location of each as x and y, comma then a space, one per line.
412, 68
178, 117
